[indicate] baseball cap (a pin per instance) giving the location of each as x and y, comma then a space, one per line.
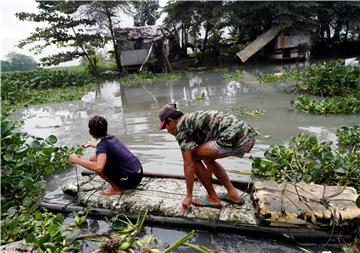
165, 112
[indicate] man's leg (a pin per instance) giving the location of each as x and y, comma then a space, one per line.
209, 155
205, 178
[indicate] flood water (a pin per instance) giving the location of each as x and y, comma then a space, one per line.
132, 114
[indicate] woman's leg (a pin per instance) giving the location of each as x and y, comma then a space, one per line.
113, 190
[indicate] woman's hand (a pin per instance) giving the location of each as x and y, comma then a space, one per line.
73, 158
88, 144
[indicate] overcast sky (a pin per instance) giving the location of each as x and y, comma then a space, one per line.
13, 30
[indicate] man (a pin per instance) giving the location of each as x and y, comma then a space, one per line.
113, 161
205, 136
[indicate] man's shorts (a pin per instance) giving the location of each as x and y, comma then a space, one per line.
129, 182
237, 151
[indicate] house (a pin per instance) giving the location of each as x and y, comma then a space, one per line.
286, 46
138, 46
291, 47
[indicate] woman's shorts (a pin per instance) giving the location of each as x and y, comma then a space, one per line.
237, 151
129, 182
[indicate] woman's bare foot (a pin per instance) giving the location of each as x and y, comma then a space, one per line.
111, 191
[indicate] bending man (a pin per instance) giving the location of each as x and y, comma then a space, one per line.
204, 137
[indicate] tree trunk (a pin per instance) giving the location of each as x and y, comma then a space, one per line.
88, 57
206, 37
115, 45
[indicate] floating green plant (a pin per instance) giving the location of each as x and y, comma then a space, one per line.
307, 159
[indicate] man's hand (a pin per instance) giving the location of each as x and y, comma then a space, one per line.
73, 158
186, 203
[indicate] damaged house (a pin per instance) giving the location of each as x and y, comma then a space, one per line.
286, 46
141, 47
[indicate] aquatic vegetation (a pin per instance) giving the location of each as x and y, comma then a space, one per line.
340, 83
200, 97
329, 79
53, 235
126, 238
25, 162
20, 89
281, 76
331, 105
43, 78
257, 112
142, 76
307, 159
233, 76
349, 136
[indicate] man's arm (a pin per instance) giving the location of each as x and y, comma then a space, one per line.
97, 166
189, 172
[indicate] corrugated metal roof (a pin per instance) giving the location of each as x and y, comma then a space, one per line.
133, 57
152, 33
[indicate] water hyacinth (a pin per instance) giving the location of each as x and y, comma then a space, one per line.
307, 159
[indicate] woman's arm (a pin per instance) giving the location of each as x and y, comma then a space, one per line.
97, 166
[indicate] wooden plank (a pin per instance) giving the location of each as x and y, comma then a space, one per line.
257, 44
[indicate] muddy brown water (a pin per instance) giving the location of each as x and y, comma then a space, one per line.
132, 114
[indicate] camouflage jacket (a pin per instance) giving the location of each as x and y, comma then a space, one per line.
202, 126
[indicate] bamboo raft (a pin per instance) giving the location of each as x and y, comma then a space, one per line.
304, 212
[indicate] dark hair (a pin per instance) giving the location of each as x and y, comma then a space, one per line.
175, 115
98, 126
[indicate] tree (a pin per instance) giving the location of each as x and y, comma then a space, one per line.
248, 20
146, 12
338, 21
107, 17
18, 62
65, 28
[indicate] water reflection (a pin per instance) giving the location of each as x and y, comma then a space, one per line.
132, 116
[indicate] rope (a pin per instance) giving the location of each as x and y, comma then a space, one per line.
77, 178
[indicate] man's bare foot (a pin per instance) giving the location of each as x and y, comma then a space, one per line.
111, 191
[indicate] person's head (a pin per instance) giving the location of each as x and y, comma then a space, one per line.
168, 116
98, 127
